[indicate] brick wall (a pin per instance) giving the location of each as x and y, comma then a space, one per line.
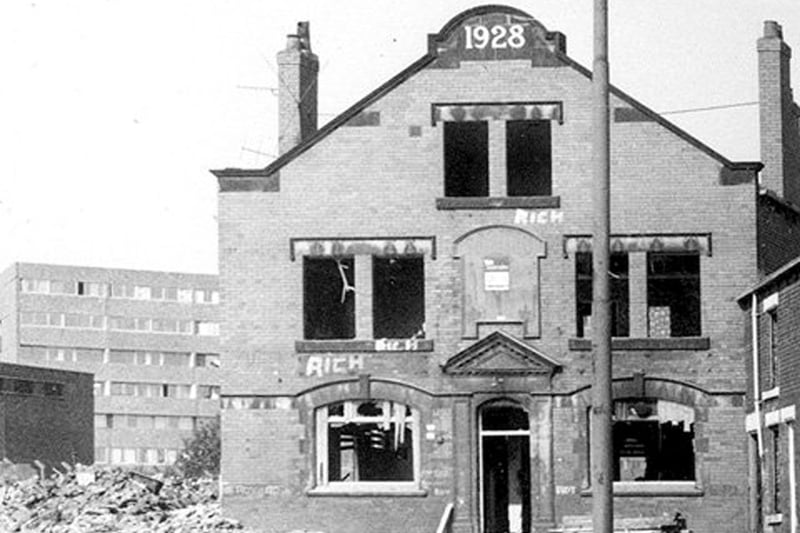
381, 179
50, 429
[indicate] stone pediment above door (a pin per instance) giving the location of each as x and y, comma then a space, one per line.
500, 354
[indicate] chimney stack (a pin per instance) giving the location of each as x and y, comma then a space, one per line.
778, 116
297, 90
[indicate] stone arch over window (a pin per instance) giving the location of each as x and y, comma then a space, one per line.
366, 435
500, 280
658, 427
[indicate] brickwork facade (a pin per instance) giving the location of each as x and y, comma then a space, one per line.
773, 308
149, 338
483, 402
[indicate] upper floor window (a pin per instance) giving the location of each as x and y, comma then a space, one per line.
63, 287
466, 158
206, 328
366, 442
618, 280
206, 296
92, 288
398, 297
673, 294
772, 347
469, 130
41, 286
210, 360
388, 272
528, 158
653, 440
329, 298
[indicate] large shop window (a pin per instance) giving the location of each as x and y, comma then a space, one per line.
398, 299
528, 160
367, 444
620, 308
673, 294
466, 158
328, 298
653, 441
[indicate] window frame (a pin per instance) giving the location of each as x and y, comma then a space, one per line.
675, 276
650, 488
618, 283
529, 157
310, 326
478, 159
772, 348
382, 293
321, 424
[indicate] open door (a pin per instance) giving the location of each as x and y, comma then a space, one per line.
505, 469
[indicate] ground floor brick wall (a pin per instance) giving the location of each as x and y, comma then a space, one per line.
271, 482
282, 513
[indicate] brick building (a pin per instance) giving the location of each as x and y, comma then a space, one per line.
407, 297
773, 304
151, 339
773, 308
45, 415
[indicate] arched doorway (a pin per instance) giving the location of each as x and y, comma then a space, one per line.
505, 473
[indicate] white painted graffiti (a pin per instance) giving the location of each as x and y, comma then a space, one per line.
396, 345
549, 216
324, 365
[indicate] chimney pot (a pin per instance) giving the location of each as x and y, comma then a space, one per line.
293, 42
772, 29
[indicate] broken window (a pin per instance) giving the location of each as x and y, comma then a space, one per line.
620, 310
368, 441
653, 441
673, 294
329, 298
528, 158
466, 158
398, 301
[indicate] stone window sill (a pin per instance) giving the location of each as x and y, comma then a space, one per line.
652, 488
774, 392
498, 202
640, 344
364, 490
364, 345
774, 519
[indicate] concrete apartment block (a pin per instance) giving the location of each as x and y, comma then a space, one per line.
151, 339
406, 323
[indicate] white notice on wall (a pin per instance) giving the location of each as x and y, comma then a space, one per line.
496, 274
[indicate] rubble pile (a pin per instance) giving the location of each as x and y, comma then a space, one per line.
111, 500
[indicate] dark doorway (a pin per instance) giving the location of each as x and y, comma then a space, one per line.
505, 470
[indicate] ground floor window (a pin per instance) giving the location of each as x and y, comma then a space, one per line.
653, 441
367, 442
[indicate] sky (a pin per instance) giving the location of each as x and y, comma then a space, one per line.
112, 112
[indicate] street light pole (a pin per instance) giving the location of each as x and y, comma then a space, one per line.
601, 455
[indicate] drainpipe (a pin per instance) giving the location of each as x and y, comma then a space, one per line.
756, 377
